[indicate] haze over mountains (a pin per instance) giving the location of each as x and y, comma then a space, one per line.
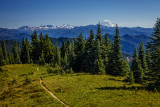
131, 36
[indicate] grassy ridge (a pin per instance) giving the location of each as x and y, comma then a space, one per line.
76, 90
19, 94
81, 90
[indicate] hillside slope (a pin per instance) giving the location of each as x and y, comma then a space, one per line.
14, 91
76, 90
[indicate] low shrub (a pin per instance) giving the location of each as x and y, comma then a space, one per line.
21, 75
30, 73
55, 70
2, 62
27, 80
69, 71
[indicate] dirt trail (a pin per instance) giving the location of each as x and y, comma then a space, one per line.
44, 87
37, 69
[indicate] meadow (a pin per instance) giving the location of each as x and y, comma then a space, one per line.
76, 90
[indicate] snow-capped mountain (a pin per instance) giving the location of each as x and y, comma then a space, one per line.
130, 36
108, 23
45, 27
66, 26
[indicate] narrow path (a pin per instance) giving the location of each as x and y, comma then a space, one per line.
44, 87
37, 69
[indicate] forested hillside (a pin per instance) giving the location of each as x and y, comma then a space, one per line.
96, 54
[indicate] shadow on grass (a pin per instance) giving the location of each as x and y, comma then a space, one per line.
122, 88
114, 79
79, 74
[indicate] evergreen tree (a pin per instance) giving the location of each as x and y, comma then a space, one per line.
90, 41
89, 55
36, 49
41, 59
19, 50
28, 51
2, 61
141, 57
136, 68
64, 61
63, 50
79, 45
116, 64
71, 57
106, 50
16, 54
125, 68
25, 51
107, 43
41, 42
102, 46
57, 57
79, 49
48, 50
5, 56
99, 34
11, 58
131, 78
148, 59
148, 74
154, 48
68, 47
28, 61
99, 67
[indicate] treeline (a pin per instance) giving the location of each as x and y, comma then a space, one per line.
95, 55
145, 66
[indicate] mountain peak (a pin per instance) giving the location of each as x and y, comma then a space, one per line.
45, 27
107, 23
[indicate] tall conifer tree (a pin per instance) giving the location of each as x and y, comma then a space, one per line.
154, 48
99, 67
106, 50
41, 59
148, 59
11, 58
25, 51
107, 43
48, 50
2, 61
5, 56
79, 45
36, 49
79, 50
16, 54
63, 50
57, 57
142, 57
41, 42
89, 54
117, 66
136, 68
99, 34
71, 57
68, 47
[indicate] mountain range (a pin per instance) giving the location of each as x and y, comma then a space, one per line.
131, 36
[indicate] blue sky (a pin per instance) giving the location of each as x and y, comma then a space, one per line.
130, 13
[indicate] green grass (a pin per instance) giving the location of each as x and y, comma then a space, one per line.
76, 90
19, 94
81, 90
